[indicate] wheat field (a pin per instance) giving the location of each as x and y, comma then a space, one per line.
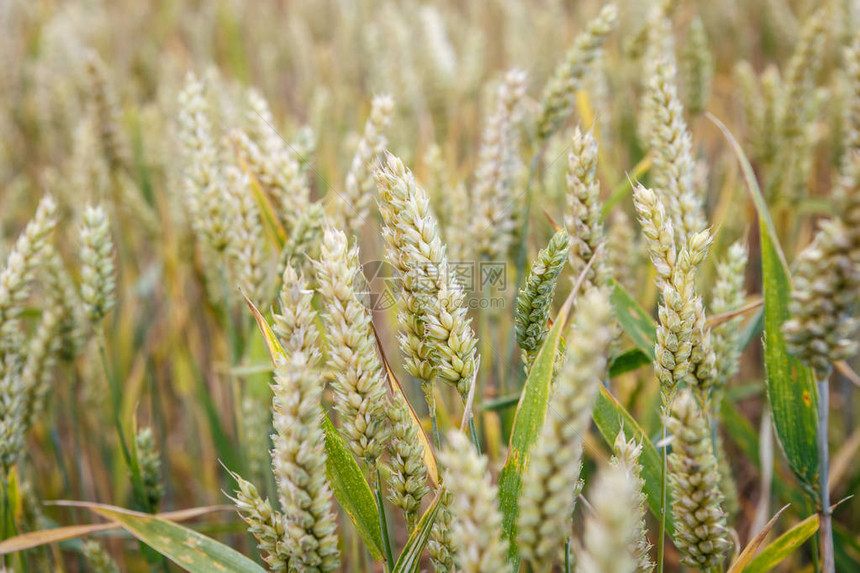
464, 286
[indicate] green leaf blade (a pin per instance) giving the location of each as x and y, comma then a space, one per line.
528, 422
410, 559
351, 489
635, 321
192, 551
629, 361
783, 546
790, 385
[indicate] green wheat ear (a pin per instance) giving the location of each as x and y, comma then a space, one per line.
534, 300
583, 220
558, 95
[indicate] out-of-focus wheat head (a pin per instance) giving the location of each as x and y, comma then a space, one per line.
477, 523
353, 205
98, 558
583, 219
492, 201
610, 531
558, 95
626, 458
551, 481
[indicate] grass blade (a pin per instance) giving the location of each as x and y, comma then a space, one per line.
748, 552
276, 351
629, 361
190, 550
790, 385
58, 534
758, 200
783, 546
752, 329
410, 559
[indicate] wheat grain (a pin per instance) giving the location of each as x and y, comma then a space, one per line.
264, 523
700, 522
298, 462
583, 219
408, 481
98, 281
557, 99
437, 338
358, 379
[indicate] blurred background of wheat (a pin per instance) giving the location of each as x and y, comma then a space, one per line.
91, 113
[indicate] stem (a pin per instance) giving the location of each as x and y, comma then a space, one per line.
662, 534
133, 468
473, 431
228, 317
115, 398
714, 423
233, 343
429, 387
827, 555
5, 532
567, 556
383, 523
